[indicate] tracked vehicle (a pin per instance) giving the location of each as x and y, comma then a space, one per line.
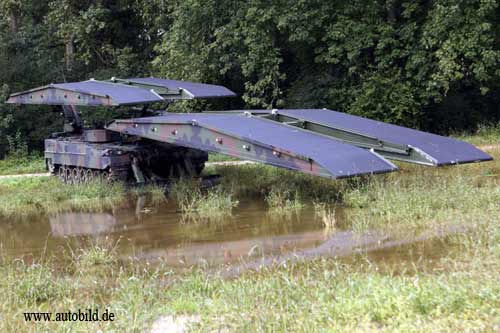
159, 145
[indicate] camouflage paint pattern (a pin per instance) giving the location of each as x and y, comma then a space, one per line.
50, 95
117, 92
100, 135
210, 139
74, 152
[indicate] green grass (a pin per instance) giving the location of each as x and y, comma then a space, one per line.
283, 202
425, 197
260, 180
22, 197
484, 135
215, 157
202, 205
31, 196
20, 165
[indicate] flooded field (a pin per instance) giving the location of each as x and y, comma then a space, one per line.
251, 237
161, 232
265, 249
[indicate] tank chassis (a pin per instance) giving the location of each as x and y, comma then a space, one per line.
77, 157
160, 145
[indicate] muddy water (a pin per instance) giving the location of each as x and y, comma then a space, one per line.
251, 236
162, 233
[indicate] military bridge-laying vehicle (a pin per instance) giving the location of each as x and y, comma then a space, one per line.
161, 145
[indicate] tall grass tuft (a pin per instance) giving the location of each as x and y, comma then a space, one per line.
199, 205
283, 202
95, 257
326, 214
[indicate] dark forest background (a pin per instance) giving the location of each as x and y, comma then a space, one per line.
432, 65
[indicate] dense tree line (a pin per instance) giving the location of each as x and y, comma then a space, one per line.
430, 64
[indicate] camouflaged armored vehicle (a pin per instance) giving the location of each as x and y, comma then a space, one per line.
160, 145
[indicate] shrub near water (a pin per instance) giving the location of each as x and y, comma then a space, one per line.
20, 197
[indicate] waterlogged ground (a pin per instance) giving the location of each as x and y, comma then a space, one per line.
248, 239
267, 250
160, 232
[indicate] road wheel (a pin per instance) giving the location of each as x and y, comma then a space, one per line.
74, 176
61, 174
88, 175
67, 175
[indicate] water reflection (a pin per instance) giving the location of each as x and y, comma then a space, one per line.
81, 224
161, 233
251, 236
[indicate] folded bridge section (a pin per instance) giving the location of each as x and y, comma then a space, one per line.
391, 141
316, 141
260, 140
116, 92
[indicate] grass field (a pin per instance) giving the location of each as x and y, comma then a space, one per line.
21, 165
22, 197
456, 290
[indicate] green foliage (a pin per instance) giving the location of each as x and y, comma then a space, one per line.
395, 61
96, 36
64, 40
431, 65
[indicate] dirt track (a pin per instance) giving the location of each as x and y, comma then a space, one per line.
25, 175
489, 147
45, 174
